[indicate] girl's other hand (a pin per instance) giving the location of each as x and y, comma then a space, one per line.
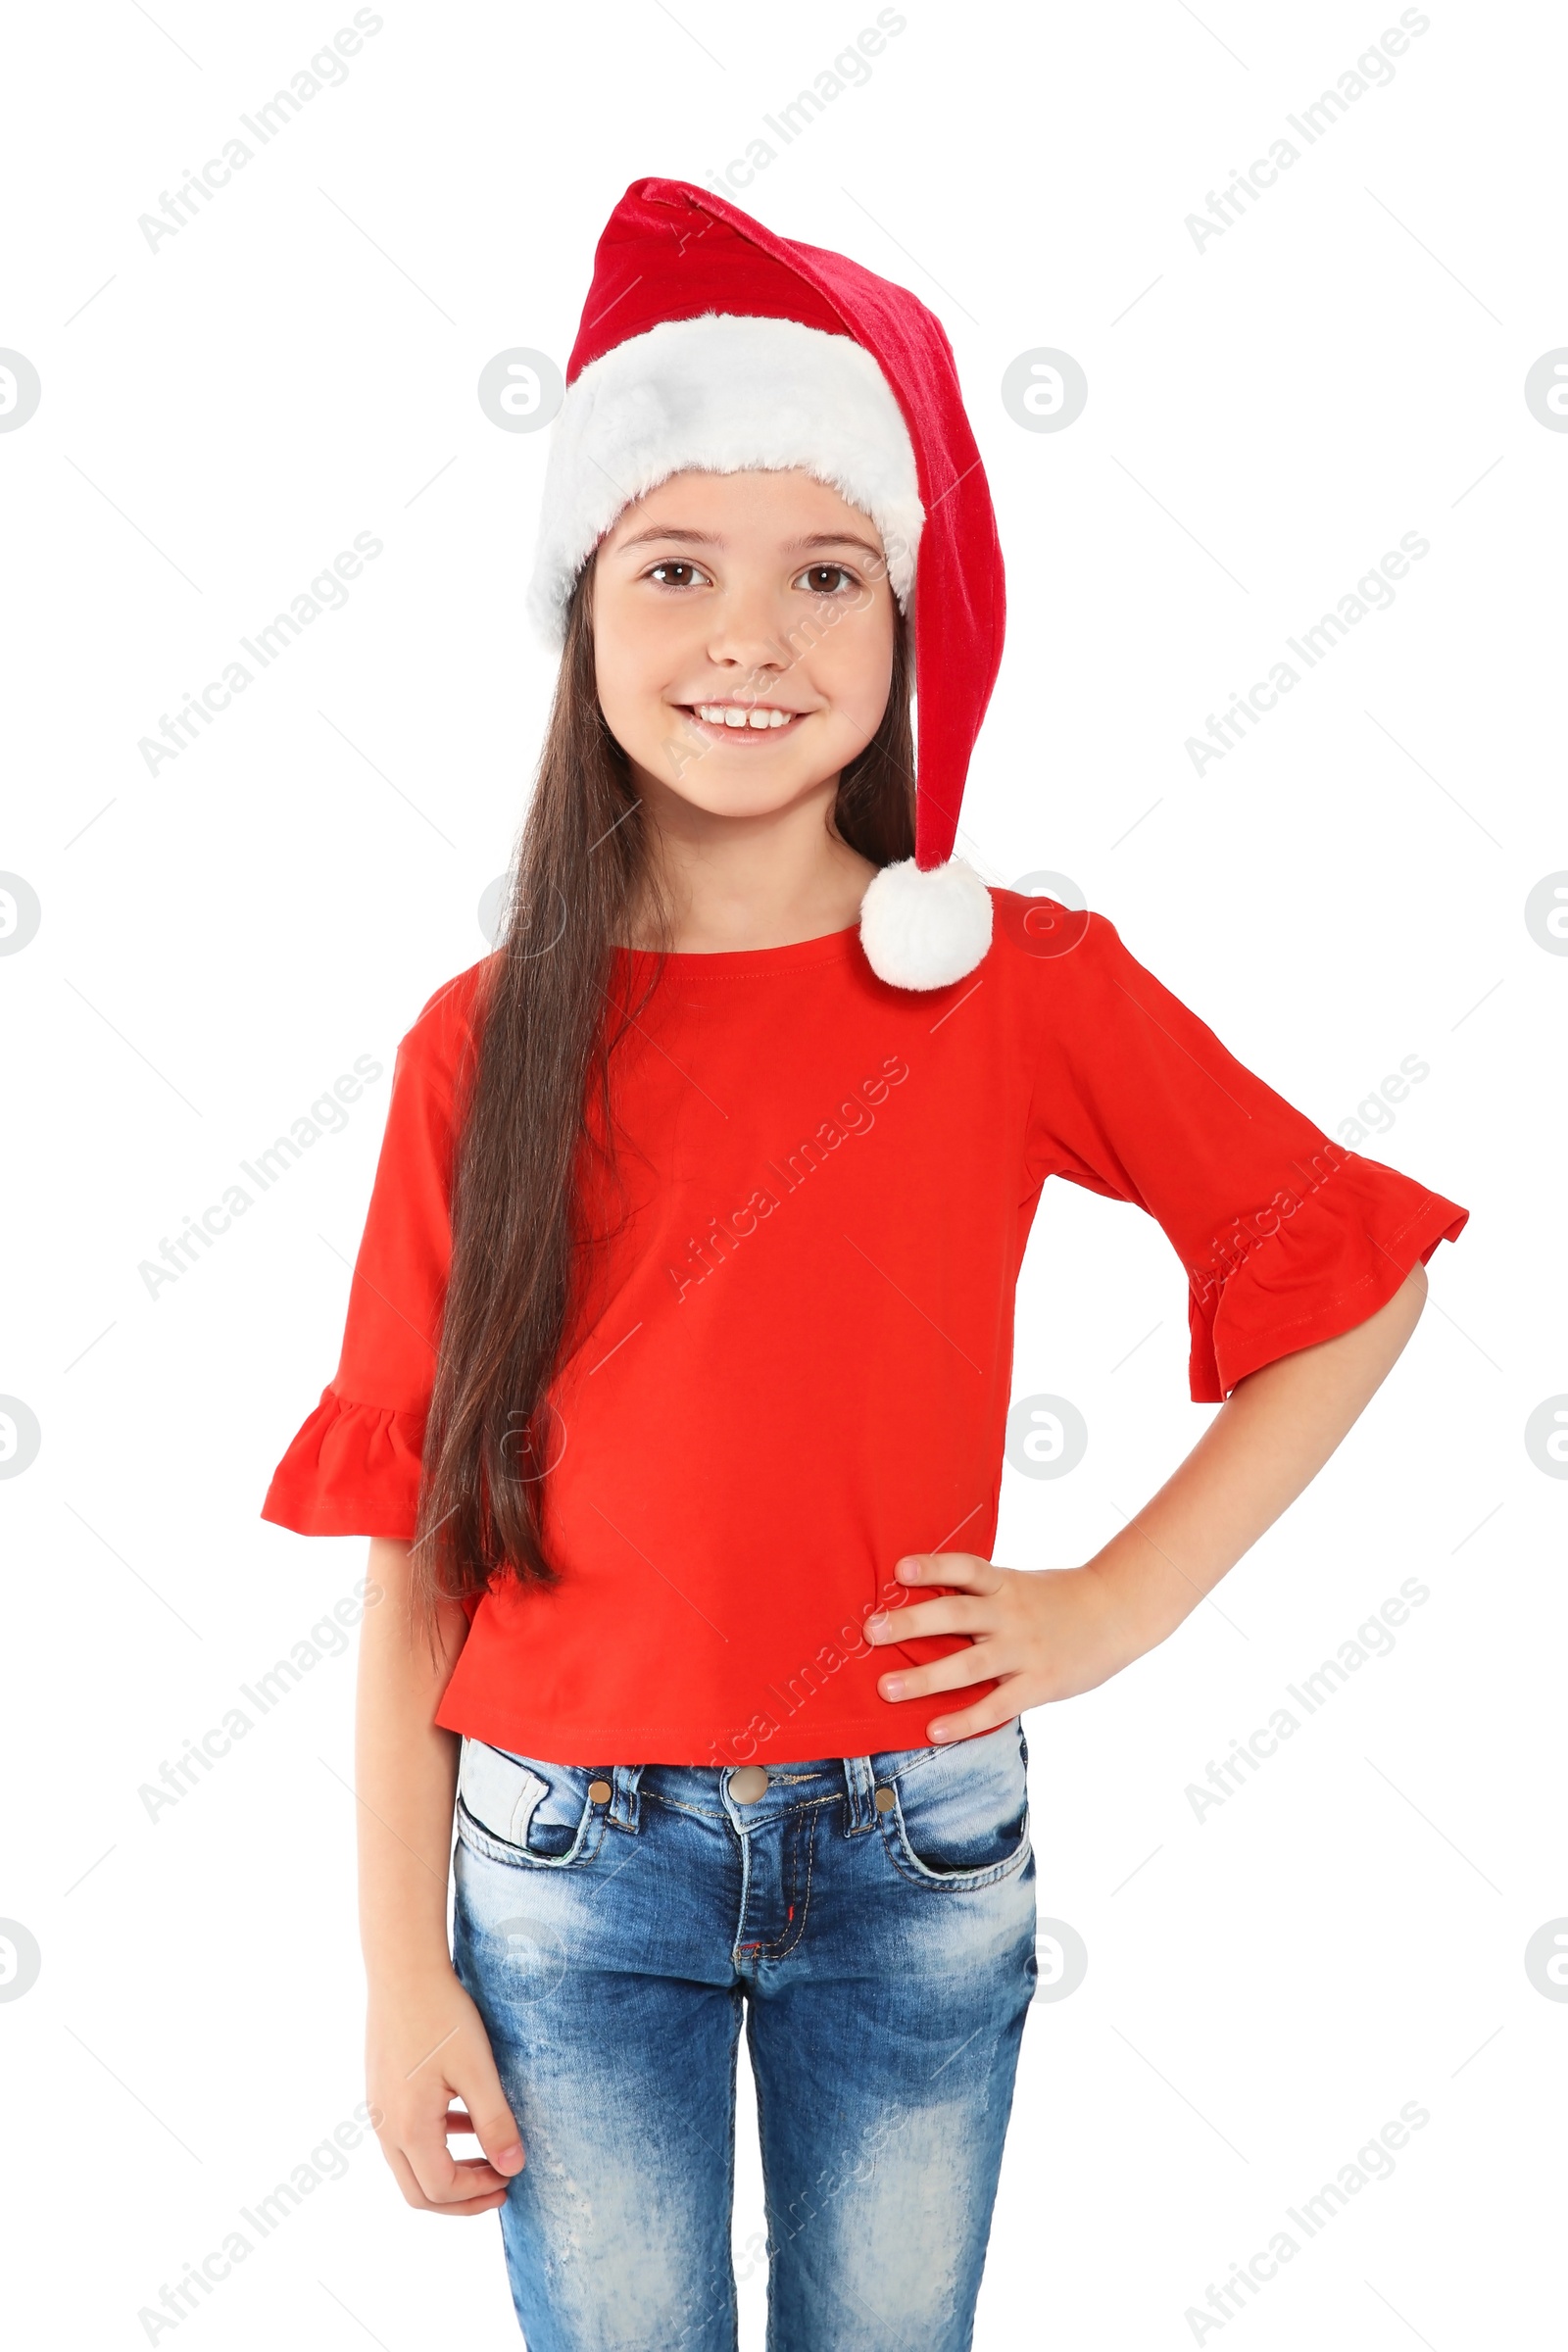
430, 2076
1048, 1633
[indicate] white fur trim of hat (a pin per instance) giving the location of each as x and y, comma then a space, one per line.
721, 394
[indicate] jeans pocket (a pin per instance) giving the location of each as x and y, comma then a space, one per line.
958, 1816
522, 1810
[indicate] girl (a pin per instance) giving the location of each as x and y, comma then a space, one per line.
675, 1375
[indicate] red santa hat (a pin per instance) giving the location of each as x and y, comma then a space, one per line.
709, 343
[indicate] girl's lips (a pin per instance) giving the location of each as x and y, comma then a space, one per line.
721, 731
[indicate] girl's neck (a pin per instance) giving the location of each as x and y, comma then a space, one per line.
732, 886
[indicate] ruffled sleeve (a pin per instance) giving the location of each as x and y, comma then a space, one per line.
353, 1467
351, 1470
1286, 1237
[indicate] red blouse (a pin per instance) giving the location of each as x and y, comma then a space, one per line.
799, 1366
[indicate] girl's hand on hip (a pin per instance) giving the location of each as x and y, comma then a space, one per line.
431, 2075
1047, 1633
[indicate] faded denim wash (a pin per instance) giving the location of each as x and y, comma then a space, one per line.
874, 1917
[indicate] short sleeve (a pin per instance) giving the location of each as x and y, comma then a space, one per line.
1286, 1237
353, 1467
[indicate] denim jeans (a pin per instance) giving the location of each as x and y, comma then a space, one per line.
874, 1917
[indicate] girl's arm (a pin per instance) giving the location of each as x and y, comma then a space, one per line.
425, 2044
1053, 1632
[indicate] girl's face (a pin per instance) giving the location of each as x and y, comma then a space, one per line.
743, 638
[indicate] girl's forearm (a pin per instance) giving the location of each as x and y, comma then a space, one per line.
1267, 1442
406, 1770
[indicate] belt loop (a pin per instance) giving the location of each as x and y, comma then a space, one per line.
625, 1810
858, 1786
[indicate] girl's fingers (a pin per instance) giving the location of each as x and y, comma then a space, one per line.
962, 1568
408, 2181
976, 1664
457, 2183
487, 2115
973, 1611
920, 1617
440, 2177
984, 1716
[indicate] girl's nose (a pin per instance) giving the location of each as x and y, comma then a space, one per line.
746, 634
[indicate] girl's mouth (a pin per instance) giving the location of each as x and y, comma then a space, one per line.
743, 723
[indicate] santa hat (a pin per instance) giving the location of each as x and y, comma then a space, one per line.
709, 343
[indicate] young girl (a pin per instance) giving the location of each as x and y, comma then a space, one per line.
675, 1376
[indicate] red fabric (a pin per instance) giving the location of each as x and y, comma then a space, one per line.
750, 1450
673, 251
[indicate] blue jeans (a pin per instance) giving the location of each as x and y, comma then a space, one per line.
875, 1918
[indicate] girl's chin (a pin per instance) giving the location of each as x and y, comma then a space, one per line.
759, 793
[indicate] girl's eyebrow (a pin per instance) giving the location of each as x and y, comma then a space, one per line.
837, 539
671, 531
792, 546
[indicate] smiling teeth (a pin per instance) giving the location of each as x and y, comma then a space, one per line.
733, 714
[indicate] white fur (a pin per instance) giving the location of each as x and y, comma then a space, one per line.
926, 927
723, 394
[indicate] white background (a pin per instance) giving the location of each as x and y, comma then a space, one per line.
1266, 416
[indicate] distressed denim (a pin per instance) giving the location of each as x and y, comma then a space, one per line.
874, 1917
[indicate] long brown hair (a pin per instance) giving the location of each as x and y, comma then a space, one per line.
537, 1099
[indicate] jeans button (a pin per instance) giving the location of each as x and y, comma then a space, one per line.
883, 1801
600, 1792
748, 1782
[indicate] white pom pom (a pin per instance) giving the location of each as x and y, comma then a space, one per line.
924, 928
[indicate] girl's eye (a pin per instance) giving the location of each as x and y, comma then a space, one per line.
675, 574
826, 579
